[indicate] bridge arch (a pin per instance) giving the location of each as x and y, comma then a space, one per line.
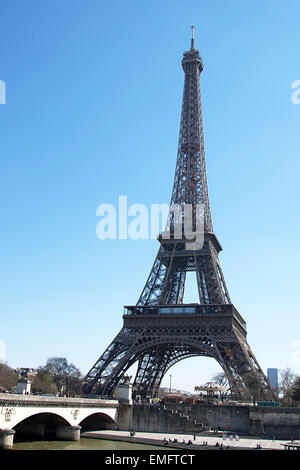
24, 414
97, 420
12, 415
40, 424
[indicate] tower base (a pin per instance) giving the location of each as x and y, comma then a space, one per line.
159, 336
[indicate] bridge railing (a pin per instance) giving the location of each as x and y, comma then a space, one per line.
40, 400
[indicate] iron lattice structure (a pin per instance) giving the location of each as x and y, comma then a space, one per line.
160, 329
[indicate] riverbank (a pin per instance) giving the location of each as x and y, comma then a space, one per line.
213, 442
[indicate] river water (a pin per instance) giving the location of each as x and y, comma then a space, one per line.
83, 444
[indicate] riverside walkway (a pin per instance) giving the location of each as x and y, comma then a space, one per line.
244, 443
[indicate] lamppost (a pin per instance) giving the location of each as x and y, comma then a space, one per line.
170, 383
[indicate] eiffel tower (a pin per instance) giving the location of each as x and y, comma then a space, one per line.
160, 329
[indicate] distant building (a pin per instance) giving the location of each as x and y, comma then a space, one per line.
273, 378
2, 352
166, 390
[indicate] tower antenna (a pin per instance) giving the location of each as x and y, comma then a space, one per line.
193, 36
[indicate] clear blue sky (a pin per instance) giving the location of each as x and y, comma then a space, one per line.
92, 112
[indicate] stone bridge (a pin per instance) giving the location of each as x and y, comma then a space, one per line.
64, 418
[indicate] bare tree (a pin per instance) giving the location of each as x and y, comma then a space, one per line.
66, 376
8, 377
220, 379
296, 390
287, 380
42, 382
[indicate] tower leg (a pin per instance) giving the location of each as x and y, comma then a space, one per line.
244, 374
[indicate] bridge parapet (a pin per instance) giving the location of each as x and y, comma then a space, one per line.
40, 400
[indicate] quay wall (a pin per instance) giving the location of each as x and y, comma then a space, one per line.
281, 423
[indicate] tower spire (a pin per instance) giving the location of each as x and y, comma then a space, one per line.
193, 37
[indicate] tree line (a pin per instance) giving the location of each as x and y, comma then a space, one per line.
56, 377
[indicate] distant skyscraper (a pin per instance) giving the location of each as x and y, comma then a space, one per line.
2, 352
273, 378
